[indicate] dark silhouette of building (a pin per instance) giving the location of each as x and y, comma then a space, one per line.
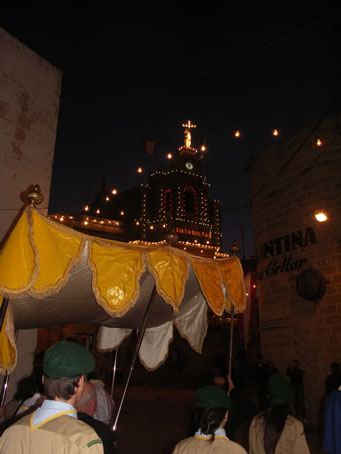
174, 207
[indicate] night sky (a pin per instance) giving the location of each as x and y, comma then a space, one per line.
132, 75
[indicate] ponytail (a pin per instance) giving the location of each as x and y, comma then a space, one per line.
211, 420
274, 419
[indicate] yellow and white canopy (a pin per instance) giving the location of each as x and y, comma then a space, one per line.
54, 275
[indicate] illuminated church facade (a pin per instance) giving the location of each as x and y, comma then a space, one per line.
172, 207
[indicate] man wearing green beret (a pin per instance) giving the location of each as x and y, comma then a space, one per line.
54, 427
210, 436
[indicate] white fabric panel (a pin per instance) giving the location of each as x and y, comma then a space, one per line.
192, 325
155, 344
110, 338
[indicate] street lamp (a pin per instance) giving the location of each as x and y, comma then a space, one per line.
321, 216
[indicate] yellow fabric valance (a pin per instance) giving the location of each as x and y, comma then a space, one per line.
39, 254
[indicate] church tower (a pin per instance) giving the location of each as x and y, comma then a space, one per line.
173, 207
176, 204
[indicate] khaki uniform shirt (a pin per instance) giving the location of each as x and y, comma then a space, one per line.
292, 440
60, 435
203, 445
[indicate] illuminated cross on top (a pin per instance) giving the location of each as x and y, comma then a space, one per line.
188, 137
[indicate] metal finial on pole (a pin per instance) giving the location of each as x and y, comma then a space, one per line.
32, 196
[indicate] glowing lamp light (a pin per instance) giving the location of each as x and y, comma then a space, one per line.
151, 227
203, 148
164, 226
275, 132
254, 286
237, 134
107, 199
86, 223
169, 156
137, 223
139, 170
114, 192
86, 208
319, 142
122, 213
321, 216
98, 211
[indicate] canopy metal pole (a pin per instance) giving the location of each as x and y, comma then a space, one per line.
4, 389
231, 338
3, 310
114, 373
137, 349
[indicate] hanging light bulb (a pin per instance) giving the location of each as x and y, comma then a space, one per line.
275, 132
139, 170
237, 134
86, 208
107, 199
169, 156
151, 227
114, 191
203, 148
98, 211
122, 213
319, 142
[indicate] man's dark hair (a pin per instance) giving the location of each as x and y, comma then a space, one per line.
63, 388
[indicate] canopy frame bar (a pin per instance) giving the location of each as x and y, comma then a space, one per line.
137, 349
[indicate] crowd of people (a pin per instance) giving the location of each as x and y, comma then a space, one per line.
271, 423
60, 409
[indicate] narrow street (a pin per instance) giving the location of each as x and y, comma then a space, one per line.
154, 418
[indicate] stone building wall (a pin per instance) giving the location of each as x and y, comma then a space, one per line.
289, 183
29, 104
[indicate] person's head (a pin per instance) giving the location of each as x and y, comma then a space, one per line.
64, 367
215, 404
26, 388
88, 402
212, 419
335, 368
279, 390
218, 376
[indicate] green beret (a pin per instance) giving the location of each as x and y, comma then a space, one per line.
67, 360
211, 397
279, 389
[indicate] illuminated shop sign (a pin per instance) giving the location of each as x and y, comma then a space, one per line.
286, 243
290, 242
193, 232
